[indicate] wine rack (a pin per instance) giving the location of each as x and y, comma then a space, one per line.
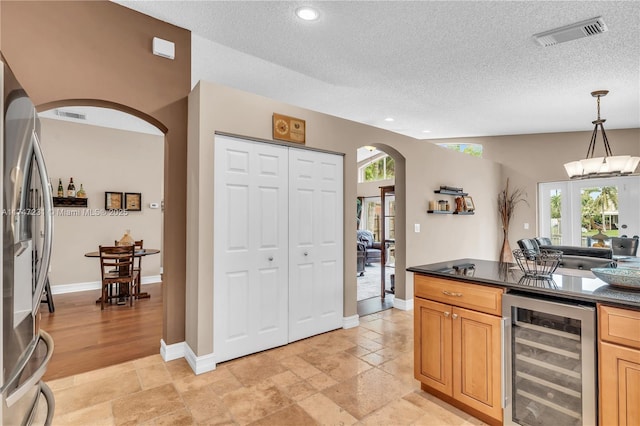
547, 370
69, 202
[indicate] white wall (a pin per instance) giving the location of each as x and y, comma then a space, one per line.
101, 159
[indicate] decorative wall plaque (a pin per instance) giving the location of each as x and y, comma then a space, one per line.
288, 129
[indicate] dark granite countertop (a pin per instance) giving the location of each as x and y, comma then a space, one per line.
568, 284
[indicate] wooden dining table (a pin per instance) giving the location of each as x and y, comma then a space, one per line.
138, 253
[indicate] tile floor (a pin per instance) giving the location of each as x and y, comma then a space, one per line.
361, 376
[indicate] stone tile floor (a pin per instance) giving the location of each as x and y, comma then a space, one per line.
362, 376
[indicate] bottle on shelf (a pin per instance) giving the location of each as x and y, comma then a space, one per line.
81, 193
71, 189
60, 188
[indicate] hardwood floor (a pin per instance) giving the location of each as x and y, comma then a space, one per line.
87, 338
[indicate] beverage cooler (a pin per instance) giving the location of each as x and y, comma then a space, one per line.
25, 350
549, 361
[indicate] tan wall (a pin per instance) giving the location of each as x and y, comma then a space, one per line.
530, 159
99, 53
421, 167
101, 159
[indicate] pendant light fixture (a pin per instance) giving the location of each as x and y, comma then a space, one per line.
610, 165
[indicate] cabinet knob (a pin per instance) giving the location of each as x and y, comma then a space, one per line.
270, 258
446, 314
454, 316
306, 253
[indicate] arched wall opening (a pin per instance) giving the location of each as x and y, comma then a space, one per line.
399, 255
111, 64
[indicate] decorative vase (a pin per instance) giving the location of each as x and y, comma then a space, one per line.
506, 255
126, 239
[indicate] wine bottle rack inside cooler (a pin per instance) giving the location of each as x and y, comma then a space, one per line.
549, 363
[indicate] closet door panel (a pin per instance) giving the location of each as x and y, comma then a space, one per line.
315, 243
250, 247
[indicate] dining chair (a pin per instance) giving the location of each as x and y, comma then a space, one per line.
117, 269
139, 246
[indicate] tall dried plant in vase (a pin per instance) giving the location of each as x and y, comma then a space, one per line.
507, 202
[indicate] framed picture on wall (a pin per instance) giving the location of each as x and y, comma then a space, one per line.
113, 200
468, 204
133, 201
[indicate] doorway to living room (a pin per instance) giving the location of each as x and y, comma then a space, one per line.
375, 230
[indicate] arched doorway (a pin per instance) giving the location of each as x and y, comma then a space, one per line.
106, 151
380, 198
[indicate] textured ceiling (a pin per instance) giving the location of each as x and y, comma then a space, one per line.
455, 68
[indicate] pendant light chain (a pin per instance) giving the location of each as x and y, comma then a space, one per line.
598, 123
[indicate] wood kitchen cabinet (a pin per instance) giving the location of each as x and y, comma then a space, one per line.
619, 366
457, 355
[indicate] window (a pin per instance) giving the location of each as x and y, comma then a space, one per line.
472, 149
572, 212
380, 168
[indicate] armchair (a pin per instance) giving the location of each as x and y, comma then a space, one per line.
624, 246
372, 249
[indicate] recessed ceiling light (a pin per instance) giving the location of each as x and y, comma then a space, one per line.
307, 13
388, 119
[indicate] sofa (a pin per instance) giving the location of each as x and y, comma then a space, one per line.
372, 249
574, 257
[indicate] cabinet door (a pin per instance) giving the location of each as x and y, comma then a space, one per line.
619, 385
477, 360
250, 247
432, 343
315, 243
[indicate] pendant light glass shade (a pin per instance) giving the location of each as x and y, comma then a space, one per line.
609, 165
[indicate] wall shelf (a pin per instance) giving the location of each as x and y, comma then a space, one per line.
447, 192
454, 192
69, 202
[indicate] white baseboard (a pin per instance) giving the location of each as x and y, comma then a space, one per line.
171, 352
95, 285
200, 364
350, 322
403, 305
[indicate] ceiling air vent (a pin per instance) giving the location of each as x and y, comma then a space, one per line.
582, 29
68, 114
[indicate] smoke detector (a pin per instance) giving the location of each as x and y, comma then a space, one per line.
570, 32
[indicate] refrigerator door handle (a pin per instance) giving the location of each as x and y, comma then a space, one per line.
51, 402
35, 376
48, 224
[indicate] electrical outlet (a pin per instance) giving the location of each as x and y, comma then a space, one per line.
526, 226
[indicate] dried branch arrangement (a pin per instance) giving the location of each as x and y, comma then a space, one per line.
507, 203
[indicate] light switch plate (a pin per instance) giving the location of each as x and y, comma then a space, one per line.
416, 227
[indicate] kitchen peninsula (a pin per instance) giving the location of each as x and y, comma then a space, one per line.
465, 338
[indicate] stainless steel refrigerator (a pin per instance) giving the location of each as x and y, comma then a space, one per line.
27, 222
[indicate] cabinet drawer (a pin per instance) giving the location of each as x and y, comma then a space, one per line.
621, 326
473, 296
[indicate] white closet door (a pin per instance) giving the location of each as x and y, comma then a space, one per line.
315, 243
250, 247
